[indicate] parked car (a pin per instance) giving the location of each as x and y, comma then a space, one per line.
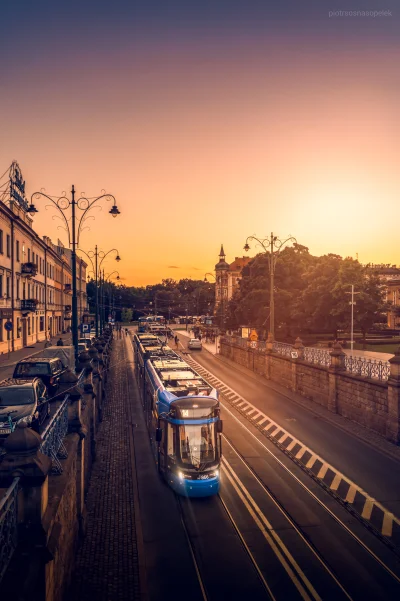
85, 340
195, 343
49, 370
25, 401
82, 347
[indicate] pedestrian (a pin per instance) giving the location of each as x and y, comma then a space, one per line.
176, 342
60, 342
200, 336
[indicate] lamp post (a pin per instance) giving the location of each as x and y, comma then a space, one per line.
272, 247
73, 227
105, 280
96, 266
222, 321
352, 303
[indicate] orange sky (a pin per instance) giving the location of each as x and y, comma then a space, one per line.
208, 142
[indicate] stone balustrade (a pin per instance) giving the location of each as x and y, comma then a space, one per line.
42, 491
369, 395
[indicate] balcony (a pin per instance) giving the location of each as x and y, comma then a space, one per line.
29, 270
29, 304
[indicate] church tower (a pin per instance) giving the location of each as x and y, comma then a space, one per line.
221, 280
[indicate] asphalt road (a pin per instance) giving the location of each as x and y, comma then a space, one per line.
272, 533
377, 473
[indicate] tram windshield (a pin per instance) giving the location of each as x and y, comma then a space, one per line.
197, 444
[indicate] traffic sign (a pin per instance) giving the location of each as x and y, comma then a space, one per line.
253, 336
253, 344
294, 354
85, 327
8, 326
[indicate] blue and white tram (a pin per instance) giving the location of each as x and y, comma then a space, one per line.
183, 417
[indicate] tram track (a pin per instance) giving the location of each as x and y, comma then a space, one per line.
314, 498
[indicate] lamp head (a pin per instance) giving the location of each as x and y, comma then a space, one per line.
32, 209
118, 258
246, 247
114, 211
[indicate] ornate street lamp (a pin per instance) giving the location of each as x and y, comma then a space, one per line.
272, 247
73, 227
96, 266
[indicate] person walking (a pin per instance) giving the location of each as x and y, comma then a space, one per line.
176, 342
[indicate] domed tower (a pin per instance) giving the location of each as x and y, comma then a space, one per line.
221, 279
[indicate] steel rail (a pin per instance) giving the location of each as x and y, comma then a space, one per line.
313, 495
321, 503
246, 548
192, 551
287, 515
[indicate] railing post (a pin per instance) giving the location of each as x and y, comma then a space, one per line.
269, 349
337, 366
393, 398
298, 347
24, 459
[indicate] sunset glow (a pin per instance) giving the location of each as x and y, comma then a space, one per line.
207, 130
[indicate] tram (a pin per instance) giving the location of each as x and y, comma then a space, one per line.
182, 414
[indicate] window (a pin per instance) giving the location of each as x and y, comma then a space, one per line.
33, 257
1, 242
17, 289
18, 327
29, 325
23, 290
17, 249
29, 255
1, 285
8, 245
8, 286
41, 323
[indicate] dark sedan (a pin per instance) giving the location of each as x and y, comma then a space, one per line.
24, 401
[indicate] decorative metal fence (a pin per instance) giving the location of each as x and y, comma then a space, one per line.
368, 368
282, 348
53, 437
317, 355
8, 525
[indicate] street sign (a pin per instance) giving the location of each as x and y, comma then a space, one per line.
253, 344
8, 326
253, 336
294, 354
85, 327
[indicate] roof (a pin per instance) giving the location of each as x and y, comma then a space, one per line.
39, 359
16, 382
239, 263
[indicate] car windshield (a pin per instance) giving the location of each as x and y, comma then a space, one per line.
197, 444
15, 396
32, 369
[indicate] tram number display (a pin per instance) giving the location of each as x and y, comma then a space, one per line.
185, 412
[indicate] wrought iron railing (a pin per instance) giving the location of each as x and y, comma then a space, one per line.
282, 348
8, 525
368, 368
317, 355
53, 437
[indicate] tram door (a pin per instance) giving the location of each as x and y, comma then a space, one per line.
164, 445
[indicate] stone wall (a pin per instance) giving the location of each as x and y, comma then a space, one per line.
52, 506
375, 404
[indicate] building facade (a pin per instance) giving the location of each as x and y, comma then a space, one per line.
227, 277
390, 277
35, 276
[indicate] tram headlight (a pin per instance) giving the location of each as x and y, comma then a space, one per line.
180, 475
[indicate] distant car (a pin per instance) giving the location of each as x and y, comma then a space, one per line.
25, 400
85, 340
49, 370
195, 343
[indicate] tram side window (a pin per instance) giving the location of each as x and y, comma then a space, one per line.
171, 441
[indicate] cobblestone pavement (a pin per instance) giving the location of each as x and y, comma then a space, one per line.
107, 561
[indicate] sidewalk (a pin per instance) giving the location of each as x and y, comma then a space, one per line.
107, 561
34, 349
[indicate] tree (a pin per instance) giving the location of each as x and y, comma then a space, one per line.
126, 314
